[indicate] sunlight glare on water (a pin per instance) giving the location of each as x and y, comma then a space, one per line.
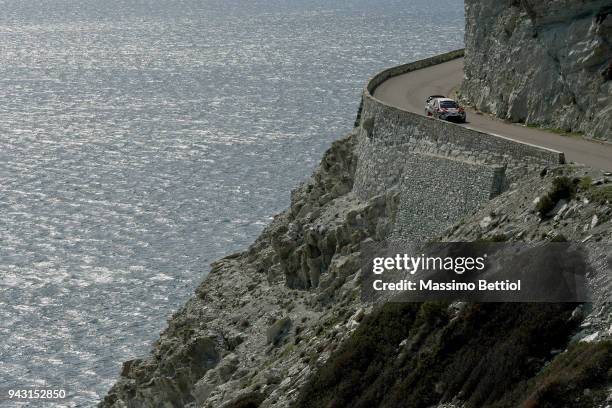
141, 140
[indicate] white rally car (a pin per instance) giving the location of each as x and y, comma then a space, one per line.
443, 108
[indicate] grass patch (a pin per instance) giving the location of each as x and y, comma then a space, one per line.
585, 183
290, 348
601, 195
557, 131
598, 194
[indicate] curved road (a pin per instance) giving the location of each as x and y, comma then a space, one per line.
409, 91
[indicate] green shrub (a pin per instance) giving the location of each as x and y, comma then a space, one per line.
432, 312
359, 112
585, 183
562, 188
360, 360
545, 205
601, 194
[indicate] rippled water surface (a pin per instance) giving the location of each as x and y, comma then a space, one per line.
142, 139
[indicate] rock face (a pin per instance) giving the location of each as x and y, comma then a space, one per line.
266, 321
546, 63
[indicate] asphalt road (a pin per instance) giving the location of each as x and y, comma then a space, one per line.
409, 91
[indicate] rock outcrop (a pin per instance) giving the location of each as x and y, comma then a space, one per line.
264, 319
545, 63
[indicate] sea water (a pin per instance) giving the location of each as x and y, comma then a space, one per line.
142, 139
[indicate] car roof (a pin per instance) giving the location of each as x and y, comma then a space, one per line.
445, 99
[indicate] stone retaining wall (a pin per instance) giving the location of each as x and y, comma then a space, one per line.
443, 170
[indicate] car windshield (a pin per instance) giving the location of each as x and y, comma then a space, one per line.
448, 104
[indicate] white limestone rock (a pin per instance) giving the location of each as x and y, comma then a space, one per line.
541, 62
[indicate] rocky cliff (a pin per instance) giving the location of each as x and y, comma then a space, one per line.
263, 319
546, 63
282, 324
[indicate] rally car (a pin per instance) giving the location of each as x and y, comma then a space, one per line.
441, 107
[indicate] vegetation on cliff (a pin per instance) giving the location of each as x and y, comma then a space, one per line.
489, 355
